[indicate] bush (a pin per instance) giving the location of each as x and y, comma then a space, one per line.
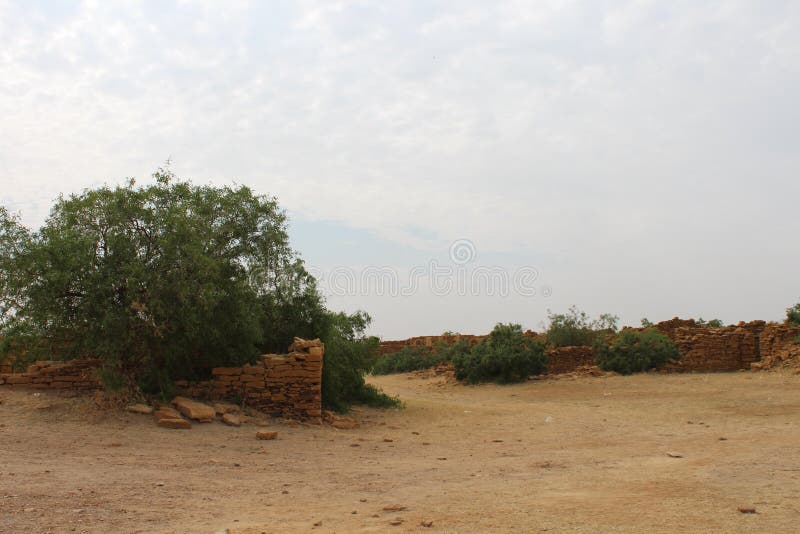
166, 281
713, 323
506, 355
413, 358
632, 351
349, 354
793, 315
409, 358
577, 328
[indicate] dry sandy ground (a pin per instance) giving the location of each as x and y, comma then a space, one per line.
581, 455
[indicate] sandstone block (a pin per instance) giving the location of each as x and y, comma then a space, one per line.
140, 409
231, 419
174, 423
266, 434
195, 410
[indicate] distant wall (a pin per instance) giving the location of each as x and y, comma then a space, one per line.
79, 375
567, 359
727, 348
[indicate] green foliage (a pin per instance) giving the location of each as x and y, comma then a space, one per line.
506, 355
793, 315
409, 358
713, 323
165, 281
646, 323
576, 327
349, 354
631, 351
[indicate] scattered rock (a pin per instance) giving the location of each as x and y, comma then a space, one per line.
395, 508
426, 524
266, 434
355, 444
140, 408
387, 440
442, 458
723, 439
165, 412
231, 419
395, 522
318, 524
747, 509
195, 410
174, 423
225, 407
115, 444
674, 455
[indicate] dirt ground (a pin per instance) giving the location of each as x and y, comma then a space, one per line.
578, 455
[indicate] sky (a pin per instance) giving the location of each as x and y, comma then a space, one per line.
445, 165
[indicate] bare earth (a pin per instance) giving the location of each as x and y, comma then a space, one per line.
579, 455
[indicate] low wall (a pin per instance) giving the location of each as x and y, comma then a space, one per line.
730, 348
80, 375
727, 348
390, 347
283, 385
567, 359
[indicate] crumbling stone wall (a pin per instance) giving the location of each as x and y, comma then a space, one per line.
728, 348
567, 359
79, 375
283, 385
779, 346
390, 347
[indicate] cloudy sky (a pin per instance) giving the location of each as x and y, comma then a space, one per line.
633, 157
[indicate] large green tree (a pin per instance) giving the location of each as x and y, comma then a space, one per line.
162, 281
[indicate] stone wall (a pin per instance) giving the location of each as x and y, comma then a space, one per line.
567, 359
704, 349
283, 385
390, 347
728, 348
779, 345
80, 375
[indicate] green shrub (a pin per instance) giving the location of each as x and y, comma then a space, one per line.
349, 354
506, 355
632, 351
576, 327
713, 323
793, 315
409, 358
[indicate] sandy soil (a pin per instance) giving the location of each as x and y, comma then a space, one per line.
580, 455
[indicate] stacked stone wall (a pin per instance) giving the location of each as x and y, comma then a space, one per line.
284, 385
79, 375
568, 359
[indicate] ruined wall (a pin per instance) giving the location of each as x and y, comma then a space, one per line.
283, 385
390, 347
779, 345
567, 359
79, 375
728, 348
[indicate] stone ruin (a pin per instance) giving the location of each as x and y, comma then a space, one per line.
282, 385
753, 345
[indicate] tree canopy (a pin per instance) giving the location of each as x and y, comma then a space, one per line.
161, 282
